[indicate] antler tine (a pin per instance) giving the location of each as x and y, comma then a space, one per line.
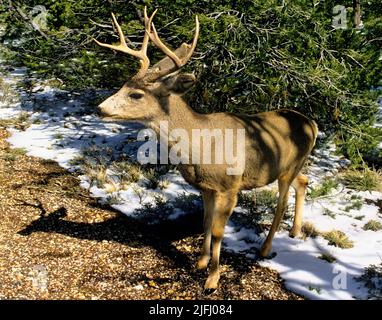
122, 46
152, 34
158, 42
178, 62
194, 41
119, 29
148, 22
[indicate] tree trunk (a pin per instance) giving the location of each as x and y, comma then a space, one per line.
357, 13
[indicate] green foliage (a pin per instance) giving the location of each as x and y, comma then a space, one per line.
328, 212
355, 205
327, 257
372, 279
252, 55
324, 189
364, 179
360, 141
161, 209
257, 202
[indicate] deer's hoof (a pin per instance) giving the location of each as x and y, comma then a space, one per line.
211, 283
265, 250
295, 233
203, 262
207, 292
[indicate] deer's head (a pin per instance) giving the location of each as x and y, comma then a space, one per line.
141, 97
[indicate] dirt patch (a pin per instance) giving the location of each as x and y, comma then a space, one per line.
56, 242
377, 202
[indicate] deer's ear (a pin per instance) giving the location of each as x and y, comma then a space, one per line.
179, 83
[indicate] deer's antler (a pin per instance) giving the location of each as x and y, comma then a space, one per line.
171, 54
140, 54
179, 57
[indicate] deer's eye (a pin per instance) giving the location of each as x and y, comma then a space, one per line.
136, 95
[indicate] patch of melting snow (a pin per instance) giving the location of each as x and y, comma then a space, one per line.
63, 131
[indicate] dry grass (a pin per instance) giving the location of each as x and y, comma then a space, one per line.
163, 184
97, 175
111, 186
7, 94
21, 122
373, 225
309, 230
134, 173
338, 239
335, 237
365, 179
11, 154
127, 172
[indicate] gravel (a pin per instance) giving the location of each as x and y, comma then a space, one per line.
56, 242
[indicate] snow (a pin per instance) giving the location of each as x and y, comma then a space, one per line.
298, 261
65, 128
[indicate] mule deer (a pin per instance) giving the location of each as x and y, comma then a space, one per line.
277, 143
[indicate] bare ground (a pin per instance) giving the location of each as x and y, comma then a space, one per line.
51, 228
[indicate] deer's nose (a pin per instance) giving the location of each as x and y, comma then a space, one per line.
104, 106
98, 110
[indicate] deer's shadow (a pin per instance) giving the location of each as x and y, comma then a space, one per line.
132, 232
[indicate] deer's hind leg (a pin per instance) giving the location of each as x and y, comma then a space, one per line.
284, 183
299, 184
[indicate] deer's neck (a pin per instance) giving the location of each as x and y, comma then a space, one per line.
177, 114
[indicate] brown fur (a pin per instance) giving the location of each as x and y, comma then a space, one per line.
277, 145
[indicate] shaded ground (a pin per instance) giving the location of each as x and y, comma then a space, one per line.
57, 243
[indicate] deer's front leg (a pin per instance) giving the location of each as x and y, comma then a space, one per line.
208, 203
223, 206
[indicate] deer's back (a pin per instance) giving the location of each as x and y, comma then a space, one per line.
275, 141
